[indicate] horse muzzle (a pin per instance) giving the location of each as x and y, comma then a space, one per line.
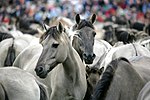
88, 58
40, 71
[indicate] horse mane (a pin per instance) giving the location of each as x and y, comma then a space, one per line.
82, 24
5, 36
104, 83
52, 31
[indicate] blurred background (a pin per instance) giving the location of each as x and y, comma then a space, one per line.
44, 10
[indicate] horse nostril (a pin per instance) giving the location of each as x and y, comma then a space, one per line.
84, 55
89, 56
93, 56
39, 69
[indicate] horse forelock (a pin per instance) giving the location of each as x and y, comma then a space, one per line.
76, 28
82, 24
51, 32
54, 33
94, 70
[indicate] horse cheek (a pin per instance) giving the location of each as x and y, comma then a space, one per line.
61, 56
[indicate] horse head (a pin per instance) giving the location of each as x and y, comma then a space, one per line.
93, 75
55, 48
83, 40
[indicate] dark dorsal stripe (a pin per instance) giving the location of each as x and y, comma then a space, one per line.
82, 24
105, 81
124, 59
5, 36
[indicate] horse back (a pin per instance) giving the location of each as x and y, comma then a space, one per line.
141, 65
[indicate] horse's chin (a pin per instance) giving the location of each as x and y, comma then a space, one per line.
51, 68
43, 75
88, 61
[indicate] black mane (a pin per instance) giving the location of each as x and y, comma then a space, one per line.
4, 36
82, 24
105, 81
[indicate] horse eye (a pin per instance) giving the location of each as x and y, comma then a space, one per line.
55, 45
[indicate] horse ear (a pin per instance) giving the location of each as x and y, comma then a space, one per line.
60, 27
77, 18
93, 18
46, 27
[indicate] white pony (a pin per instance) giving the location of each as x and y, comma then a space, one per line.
10, 48
61, 63
128, 51
17, 84
28, 59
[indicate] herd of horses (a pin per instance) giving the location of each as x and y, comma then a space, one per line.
67, 62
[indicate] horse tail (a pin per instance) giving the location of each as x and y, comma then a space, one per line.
3, 93
11, 55
43, 91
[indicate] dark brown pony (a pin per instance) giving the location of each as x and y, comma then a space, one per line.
93, 76
119, 82
83, 40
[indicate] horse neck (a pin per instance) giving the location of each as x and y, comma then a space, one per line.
71, 65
